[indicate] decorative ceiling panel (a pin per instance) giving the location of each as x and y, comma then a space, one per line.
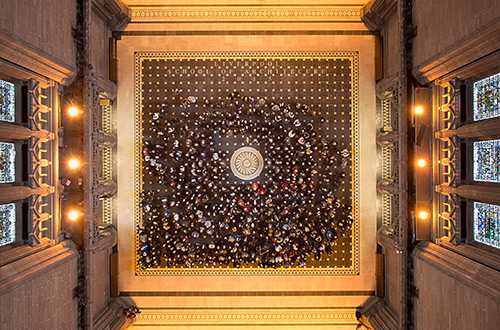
247, 163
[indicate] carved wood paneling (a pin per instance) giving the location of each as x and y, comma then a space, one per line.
392, 19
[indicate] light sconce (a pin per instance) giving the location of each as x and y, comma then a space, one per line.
73, 111
74, 163
421, 163
423, 215
73, 215
419, 110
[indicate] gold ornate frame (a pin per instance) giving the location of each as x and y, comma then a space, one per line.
353, 56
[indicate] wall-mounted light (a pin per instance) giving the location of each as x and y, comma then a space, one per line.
73, 215
423, 215
418, 110
74, 163
421, 163
73, 111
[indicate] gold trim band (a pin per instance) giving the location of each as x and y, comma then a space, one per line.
194, 14
244, 293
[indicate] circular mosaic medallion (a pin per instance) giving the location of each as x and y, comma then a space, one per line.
247, 163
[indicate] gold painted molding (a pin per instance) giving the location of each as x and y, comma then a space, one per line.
242, 13
246, 316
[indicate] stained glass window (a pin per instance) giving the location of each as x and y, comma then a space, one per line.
7, 101
487, 97
7, 162
487, 161
487, 224
7, 223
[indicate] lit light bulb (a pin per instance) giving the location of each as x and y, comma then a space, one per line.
74, 163
74, 215
419, 110
73, 111
423, 215
421, 163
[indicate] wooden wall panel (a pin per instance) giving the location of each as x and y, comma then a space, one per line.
100, 282
391, 46
45, 26
449, 298
100, 35
441, 24
44, 301
393, 290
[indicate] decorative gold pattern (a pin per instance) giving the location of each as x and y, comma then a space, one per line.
247, 163
387, 113
106, 116
447, 150
387, 118
353, 56
386, 209
387, 152
246, 13
42, 153
107, 210
107, 163
246, 316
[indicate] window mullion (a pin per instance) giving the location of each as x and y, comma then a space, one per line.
483, 130
10, 194
15, 132
489, 194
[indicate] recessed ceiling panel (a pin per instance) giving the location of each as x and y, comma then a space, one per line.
246, 163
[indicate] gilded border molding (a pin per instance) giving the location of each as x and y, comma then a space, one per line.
176, 317
353, 56
323, 293
245, 13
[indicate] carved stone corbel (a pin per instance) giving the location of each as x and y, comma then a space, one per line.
375, 314
115, 13
101, 138
374, 13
